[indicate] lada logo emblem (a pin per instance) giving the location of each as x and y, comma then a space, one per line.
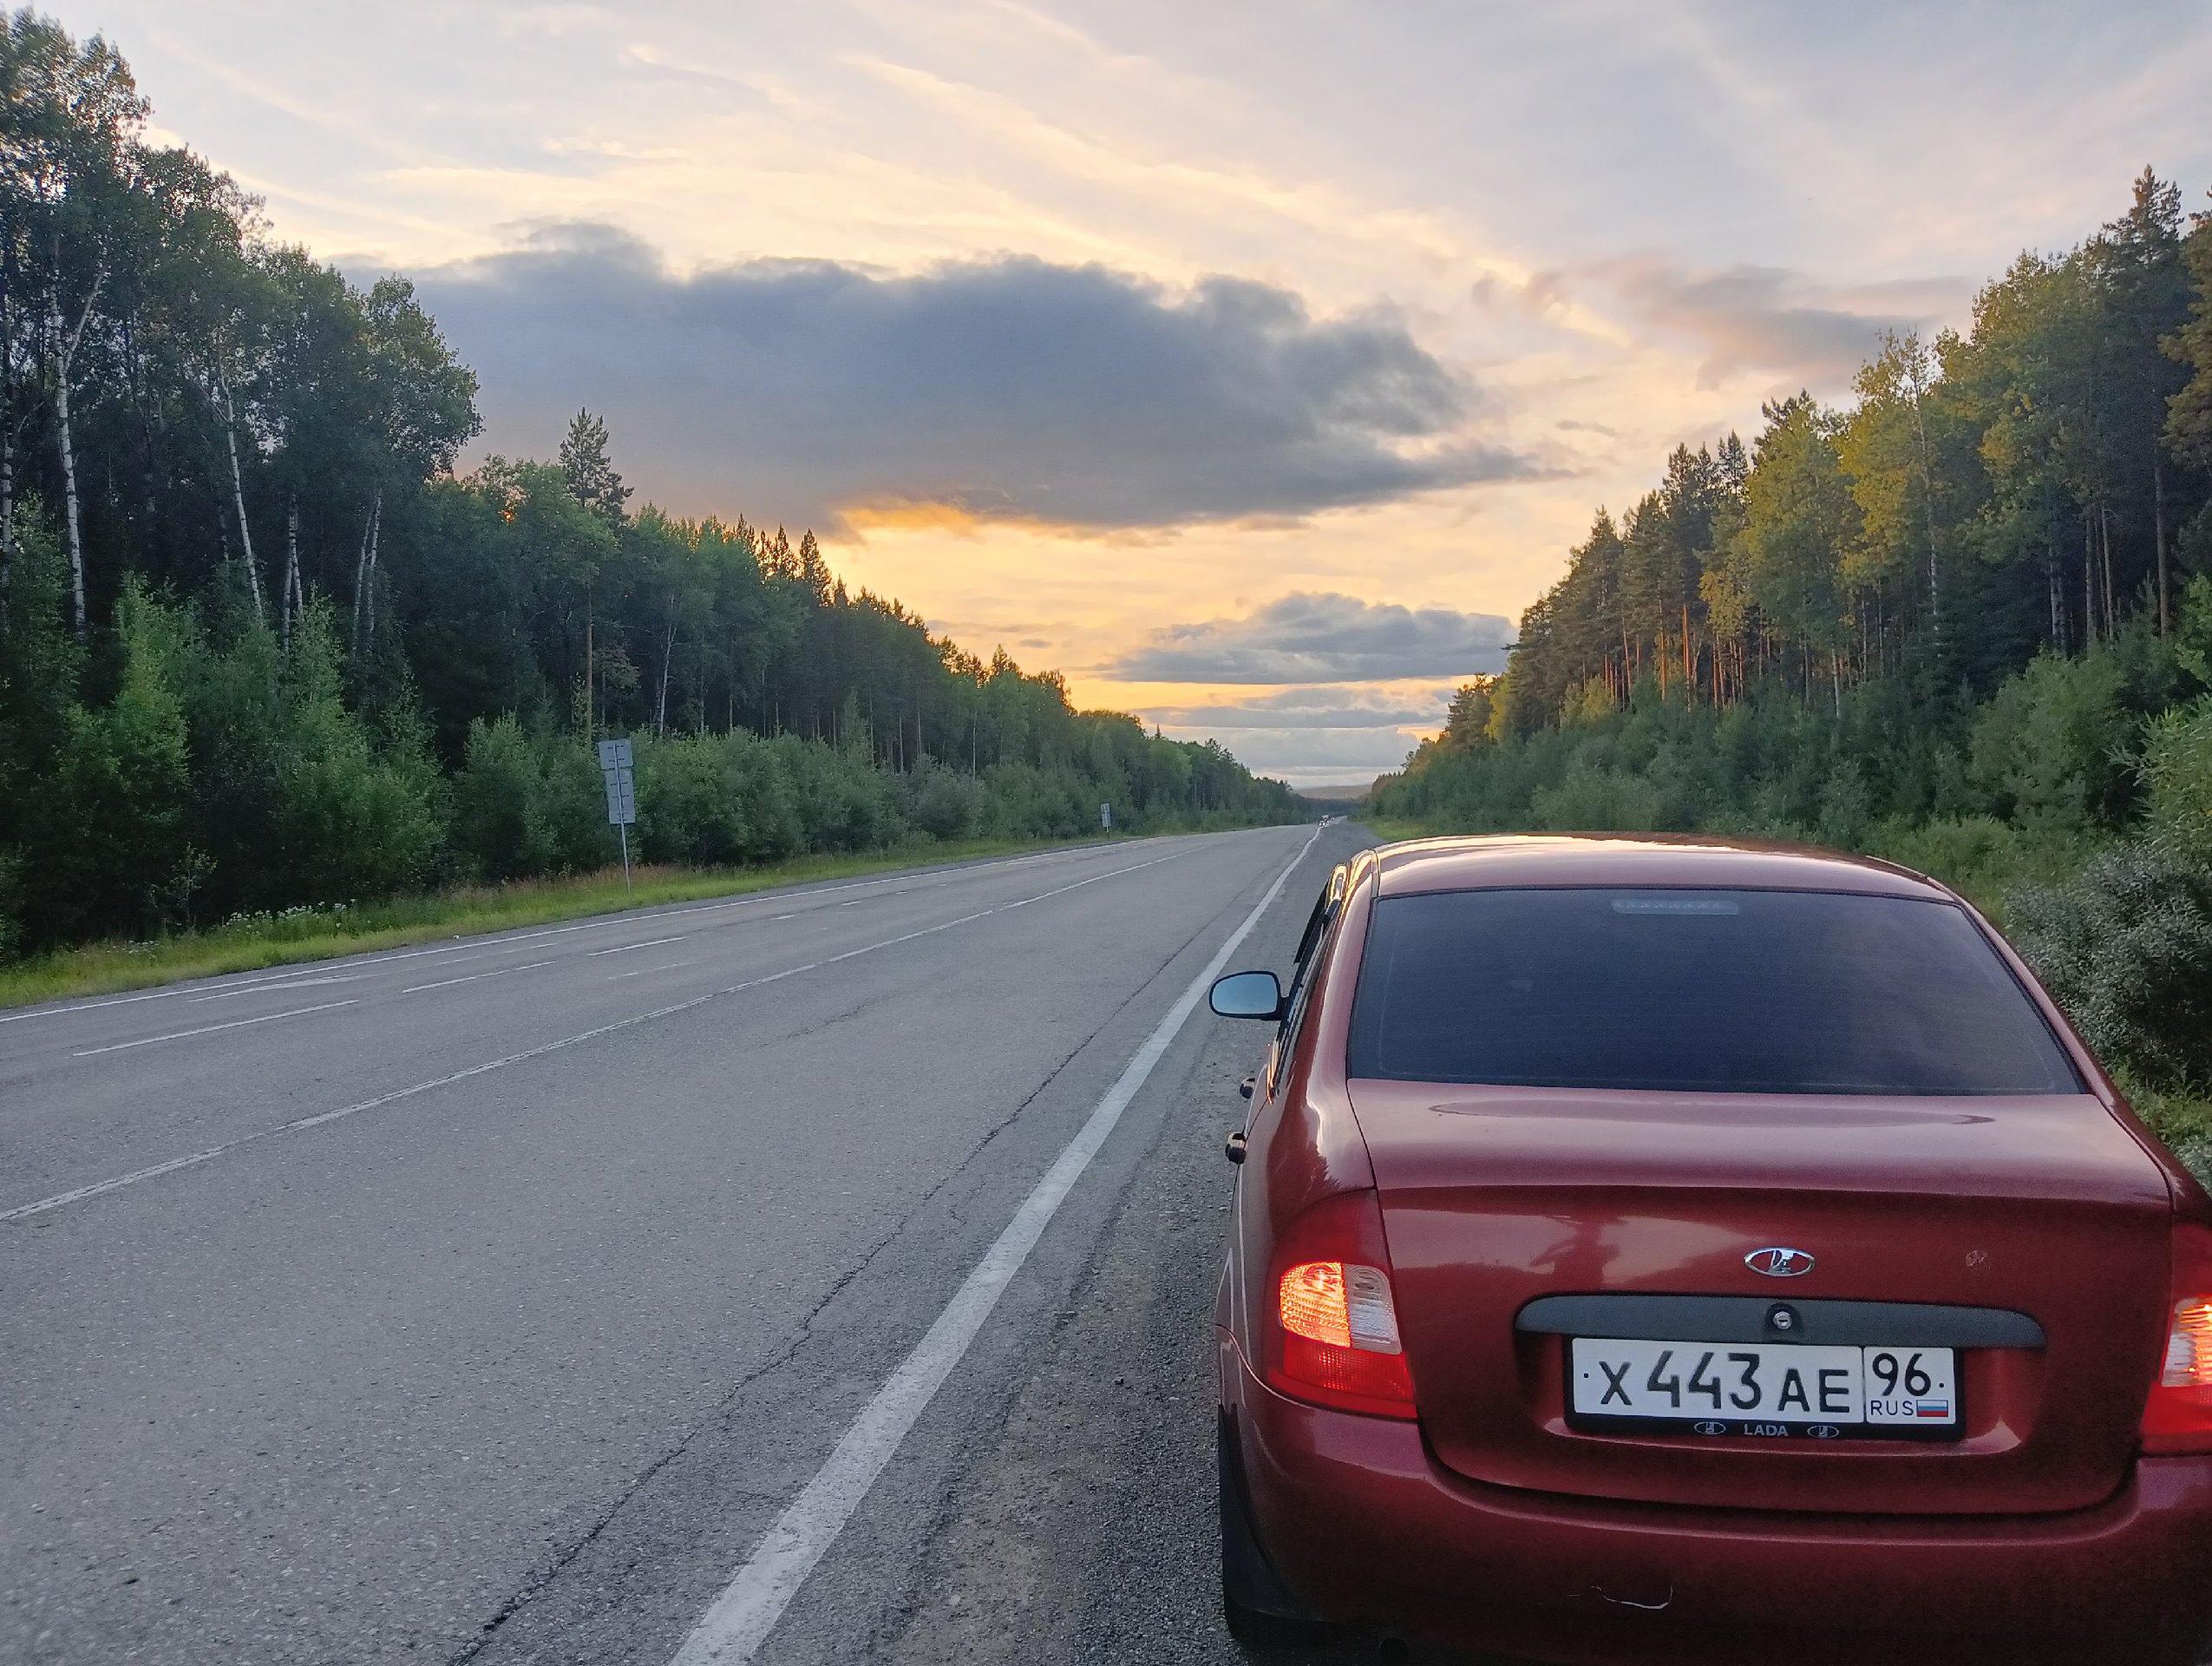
1779, 1262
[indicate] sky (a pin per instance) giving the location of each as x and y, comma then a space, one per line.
1253, 364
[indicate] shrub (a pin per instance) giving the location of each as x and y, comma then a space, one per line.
947, 805
499, 803
2050, 749
2177, 770
2126, 948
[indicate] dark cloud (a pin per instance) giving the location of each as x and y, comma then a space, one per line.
1322, 638
1750, 317
1003, 389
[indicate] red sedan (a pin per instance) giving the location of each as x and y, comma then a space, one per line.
1655, 1249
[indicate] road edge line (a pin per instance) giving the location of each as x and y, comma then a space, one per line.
740, 1619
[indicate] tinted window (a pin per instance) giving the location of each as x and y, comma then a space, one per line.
1717, 991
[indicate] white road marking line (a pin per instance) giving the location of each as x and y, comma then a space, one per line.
774, 918
777, 895
854, 903
79, 1194
273, 988
471, 977
665, 966
623, 948
210, 1029
740, 1619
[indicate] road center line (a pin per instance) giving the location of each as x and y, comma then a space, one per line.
79, 1194
275, 988
665, 966
623, 948
471, 977
740, 1619
210, 1029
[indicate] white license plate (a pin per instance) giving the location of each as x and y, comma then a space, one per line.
1772, 1389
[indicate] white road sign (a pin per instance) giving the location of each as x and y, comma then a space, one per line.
621, 784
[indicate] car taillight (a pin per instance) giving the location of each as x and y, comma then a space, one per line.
1334, 1341
2179, 1416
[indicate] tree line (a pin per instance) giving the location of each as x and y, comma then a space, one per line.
261, 647
1964, 620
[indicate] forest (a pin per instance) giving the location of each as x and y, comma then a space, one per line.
262, 649
1964, 621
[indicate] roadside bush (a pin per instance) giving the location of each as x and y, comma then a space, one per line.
499, 803
843, 801
2126, 947
715, 800
2050, 749
947, 805
120, 786
2177, 770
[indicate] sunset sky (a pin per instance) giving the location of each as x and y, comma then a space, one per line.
1255, 364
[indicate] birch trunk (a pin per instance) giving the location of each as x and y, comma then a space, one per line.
365, 566
69, 496
63, 438
237, 507
2105, 540
295, 599
667, 655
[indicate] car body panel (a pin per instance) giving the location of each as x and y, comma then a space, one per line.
2059, 1209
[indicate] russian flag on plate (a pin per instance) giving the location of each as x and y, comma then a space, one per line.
1932, 1409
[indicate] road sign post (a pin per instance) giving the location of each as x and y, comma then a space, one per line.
621, 794
1105, 815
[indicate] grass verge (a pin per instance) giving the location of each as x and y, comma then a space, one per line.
254, 941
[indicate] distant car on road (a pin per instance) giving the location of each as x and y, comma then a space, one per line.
1652, 1249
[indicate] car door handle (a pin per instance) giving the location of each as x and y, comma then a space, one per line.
1232, 1148
1246, 1086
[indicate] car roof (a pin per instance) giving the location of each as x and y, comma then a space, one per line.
1631, 859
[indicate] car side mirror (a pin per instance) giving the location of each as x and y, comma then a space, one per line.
1246, 994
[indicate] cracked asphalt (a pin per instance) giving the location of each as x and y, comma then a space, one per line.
488, 1300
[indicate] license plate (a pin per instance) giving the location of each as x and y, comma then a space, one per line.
1778, 1391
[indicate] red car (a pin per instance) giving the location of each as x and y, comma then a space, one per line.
1654, 1250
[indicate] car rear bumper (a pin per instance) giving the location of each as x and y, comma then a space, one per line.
1362, 1525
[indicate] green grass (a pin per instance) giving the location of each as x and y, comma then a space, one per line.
2182, 1120
252, 942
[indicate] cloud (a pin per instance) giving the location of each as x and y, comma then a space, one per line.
1006, 389
1309, 637
1770, 319
1323, 732
1320, 706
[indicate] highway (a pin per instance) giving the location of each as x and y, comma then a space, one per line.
820, 1274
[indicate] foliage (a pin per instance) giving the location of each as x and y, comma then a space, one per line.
2126, 948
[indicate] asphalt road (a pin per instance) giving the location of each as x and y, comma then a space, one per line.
493, 1301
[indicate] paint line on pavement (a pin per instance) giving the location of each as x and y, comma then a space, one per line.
740, 1619
210, 1029
275, 987
623, 948
472, 977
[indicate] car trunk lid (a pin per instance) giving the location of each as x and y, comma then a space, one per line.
2042, 1206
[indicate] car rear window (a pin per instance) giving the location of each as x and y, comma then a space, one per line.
1698, 991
